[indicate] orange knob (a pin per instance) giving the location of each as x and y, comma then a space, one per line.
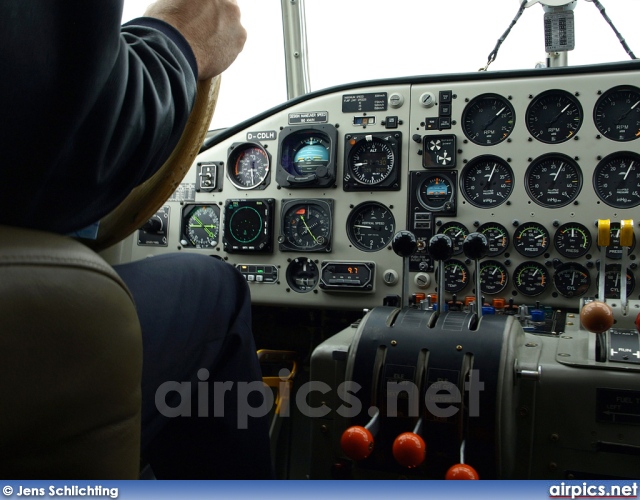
461, 471
409, 449
357, 442
597, 317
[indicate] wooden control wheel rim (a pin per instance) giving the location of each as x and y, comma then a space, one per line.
145, 200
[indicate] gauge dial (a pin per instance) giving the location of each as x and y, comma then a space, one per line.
572, 240
497, 236
531, 278
436, 192
553, 180
371, 226
488, 119
614, 250
371, 160
616, 180
306, 225
617, 113
571, 279
302, 275
531, 239
487, 181
248, 225
248, 165
456, 232
612, 281
201, 225
493, 277
456, 276
554, 116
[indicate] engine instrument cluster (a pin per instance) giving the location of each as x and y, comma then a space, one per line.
530, 159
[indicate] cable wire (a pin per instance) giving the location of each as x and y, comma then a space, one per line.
610, 23
494, 52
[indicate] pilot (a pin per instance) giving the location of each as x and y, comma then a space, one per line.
91, 109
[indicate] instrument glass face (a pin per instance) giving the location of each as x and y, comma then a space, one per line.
371, 160
201, 225
553, 180
617, 113
488, 119
616, 180
248, 166
371, 226
306, 225
554, 116
487, 181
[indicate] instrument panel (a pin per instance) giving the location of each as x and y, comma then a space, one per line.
305, 198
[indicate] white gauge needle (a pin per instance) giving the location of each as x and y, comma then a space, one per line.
628, 170
555, 177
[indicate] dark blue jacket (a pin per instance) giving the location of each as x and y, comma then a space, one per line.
88, 110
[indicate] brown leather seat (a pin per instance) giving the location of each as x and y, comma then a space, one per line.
70, 362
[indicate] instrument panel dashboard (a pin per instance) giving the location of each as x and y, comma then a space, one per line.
305, 198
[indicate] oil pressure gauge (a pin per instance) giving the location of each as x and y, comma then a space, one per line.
531, 239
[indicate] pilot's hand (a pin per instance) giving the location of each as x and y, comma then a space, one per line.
212, 28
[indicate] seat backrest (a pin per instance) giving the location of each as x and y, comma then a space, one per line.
70, 362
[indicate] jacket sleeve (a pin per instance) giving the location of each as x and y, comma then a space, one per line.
91, 109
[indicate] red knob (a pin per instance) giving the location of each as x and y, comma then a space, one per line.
638, 322
409, 449
357, 442
597, 317
461, 471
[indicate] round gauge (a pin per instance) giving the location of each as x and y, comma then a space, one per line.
248, 165
493, 277
456, 232
553, 180
614, 250
245, 224
306, 225
612, 281
486, 181
456, 276
617, 113
371, 226
371, 160
488, 119
554, 116
302, 275
616, 179
531, 239
531, 278
311, 154
571, 279
497, 237
572, 240
436, 191
201, 226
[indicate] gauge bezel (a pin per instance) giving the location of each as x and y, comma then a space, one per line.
391, 181
614, 250
537, 251
460, 286
597, 120
473, 164
187, 210
489, 225
617, 268
524, 290
449, 204
562, 251
457, 242
351, 232
233, 156
548, 203
471, 109
323, 205
263, 242
539, 100
575, 266
289, 138
503, 268
291, 268
597, 173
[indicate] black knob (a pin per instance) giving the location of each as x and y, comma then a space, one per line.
153, 225
404, 243
440, 247
475, 245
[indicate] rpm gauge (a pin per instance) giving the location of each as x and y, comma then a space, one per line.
554, 116
306, 225
488, 119
617, 113
486, 181
370, 226
248, 166
553, 180
616, 180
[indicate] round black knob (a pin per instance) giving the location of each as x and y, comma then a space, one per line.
475, 245
440, 247
404, 243
153, 225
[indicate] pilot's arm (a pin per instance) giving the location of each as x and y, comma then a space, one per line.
90, 109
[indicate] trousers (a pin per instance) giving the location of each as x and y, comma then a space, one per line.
202, 396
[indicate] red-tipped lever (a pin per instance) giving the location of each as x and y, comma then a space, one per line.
357, 441
409, 449
461, 470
